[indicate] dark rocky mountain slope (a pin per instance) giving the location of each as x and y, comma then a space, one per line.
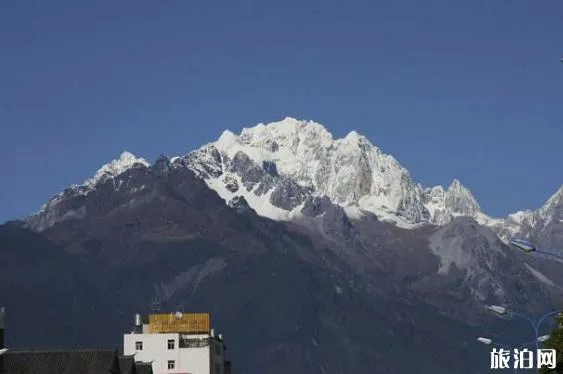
329, 294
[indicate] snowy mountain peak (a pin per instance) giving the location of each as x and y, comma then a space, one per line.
552, 210
291, 159
555, 199
359, 142
457, 200
227, 139
460, 200
353, 136
289, 132
117, 166
455, 185
351, 172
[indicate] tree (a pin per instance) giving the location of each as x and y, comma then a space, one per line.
556, 342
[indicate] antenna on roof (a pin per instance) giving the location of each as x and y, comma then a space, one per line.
2, 314
155, 303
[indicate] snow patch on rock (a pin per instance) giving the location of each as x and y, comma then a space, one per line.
540, 276
117, 166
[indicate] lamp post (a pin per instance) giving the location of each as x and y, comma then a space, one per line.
535, 324
529, 247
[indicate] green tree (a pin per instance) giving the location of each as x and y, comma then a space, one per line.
555, 341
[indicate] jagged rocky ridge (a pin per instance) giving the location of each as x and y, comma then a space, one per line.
282, 167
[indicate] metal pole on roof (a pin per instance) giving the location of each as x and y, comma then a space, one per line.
2, 315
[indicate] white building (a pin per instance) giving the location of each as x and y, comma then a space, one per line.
177, 344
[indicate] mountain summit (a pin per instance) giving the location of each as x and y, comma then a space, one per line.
126, 161
457, 200
351, 172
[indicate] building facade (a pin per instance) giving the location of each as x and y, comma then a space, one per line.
176, 343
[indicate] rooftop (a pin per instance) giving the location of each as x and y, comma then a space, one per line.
84, 361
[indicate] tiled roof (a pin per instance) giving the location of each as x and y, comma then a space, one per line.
127, 365
144, 368
60, 362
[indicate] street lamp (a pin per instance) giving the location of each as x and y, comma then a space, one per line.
497, 309
523, 245
3, 350
543, 338
486, 341
535, 324
527, 246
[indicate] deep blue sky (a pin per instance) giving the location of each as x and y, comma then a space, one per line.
468, 89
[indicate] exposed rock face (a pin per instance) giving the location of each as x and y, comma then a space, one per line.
294, 159
240, 204
459, 200
288, 195
314, 206
284, 162
444, 205
479, 254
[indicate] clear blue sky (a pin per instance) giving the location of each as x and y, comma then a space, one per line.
468, 89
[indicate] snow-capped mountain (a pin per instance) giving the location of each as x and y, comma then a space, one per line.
282, 169
66, 204
300, 159
544, 225
280, 164
457, 200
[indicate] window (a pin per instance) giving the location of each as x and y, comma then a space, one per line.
171, 365
218, 349
218, 368
138, 346
171, 344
